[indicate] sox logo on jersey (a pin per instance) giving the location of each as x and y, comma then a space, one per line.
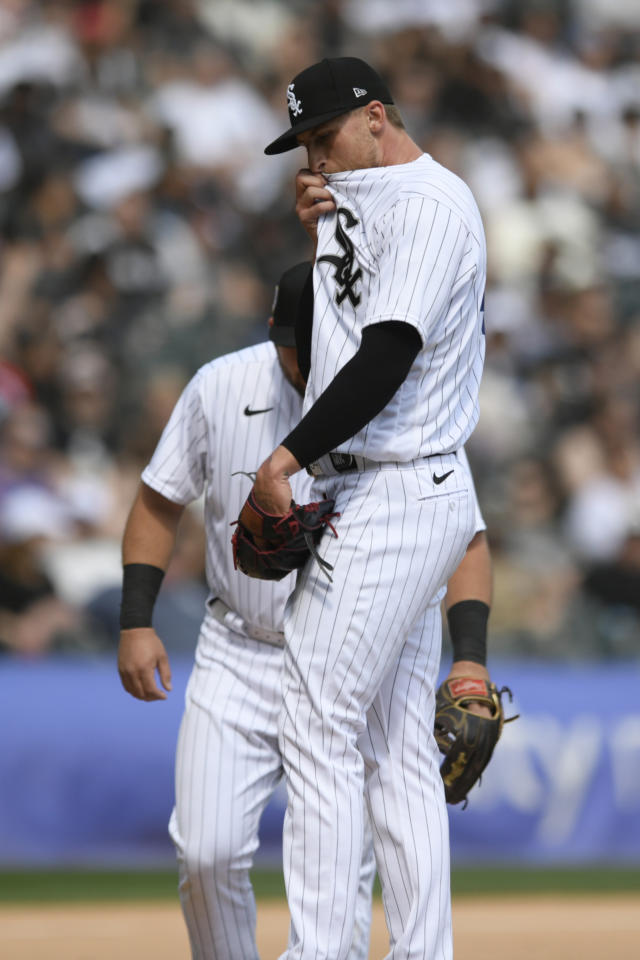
345, 276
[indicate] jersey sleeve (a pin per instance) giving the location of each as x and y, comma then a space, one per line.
419, 244
479, 519
178, 467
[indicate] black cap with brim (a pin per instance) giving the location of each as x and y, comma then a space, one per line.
287, 304
326, 90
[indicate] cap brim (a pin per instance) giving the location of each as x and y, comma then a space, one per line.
288, 140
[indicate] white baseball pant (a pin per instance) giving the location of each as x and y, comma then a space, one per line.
228, 765
361, 662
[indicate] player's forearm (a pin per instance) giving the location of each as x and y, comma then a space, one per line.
473, 579
149, 538
358, 393
468, 603
151, 529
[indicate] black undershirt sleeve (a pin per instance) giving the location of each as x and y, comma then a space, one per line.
363, 387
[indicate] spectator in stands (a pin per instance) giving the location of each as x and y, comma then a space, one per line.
141, 225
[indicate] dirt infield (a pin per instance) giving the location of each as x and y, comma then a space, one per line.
485, 929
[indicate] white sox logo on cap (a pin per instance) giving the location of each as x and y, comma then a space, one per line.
294, 105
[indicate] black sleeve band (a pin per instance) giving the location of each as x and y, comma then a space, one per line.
140, 586
363, 387
468, 630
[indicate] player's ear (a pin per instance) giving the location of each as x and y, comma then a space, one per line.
375, 114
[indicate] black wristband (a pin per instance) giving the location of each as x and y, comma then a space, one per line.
140, 586
468, 630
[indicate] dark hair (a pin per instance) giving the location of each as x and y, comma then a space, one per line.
393, 115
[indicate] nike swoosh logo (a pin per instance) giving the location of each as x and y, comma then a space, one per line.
251, 413
442, 478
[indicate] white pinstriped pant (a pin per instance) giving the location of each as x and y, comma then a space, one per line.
227, 766
361, 664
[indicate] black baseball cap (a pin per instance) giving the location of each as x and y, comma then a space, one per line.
326, 90
287, 304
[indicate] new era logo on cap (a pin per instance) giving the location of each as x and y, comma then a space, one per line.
359, 92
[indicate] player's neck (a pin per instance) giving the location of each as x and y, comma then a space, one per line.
398, 147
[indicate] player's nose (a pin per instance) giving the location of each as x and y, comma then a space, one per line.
316, 160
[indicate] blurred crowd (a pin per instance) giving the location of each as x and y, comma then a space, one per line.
142, 231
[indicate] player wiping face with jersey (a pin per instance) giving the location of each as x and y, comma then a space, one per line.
395, 362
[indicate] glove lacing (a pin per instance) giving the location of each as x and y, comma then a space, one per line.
324, 565
292, 520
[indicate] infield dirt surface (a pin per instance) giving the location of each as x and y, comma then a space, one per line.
485, 928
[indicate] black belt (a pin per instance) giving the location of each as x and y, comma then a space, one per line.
332, 464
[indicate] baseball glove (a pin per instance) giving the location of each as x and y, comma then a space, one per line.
269, 547
466, 739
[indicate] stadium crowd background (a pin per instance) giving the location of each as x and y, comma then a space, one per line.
142, 232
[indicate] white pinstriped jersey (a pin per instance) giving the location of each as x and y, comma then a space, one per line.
405, 243
209, 437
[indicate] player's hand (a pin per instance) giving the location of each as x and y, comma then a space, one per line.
468, 668
313, 199
140, 653
272, 488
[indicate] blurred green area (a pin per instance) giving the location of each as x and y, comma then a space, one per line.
22, 886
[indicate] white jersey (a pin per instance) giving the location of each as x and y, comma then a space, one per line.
405, 243
230, 417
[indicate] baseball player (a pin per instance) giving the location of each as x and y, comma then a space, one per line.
228, 761
228, 758
396, 357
